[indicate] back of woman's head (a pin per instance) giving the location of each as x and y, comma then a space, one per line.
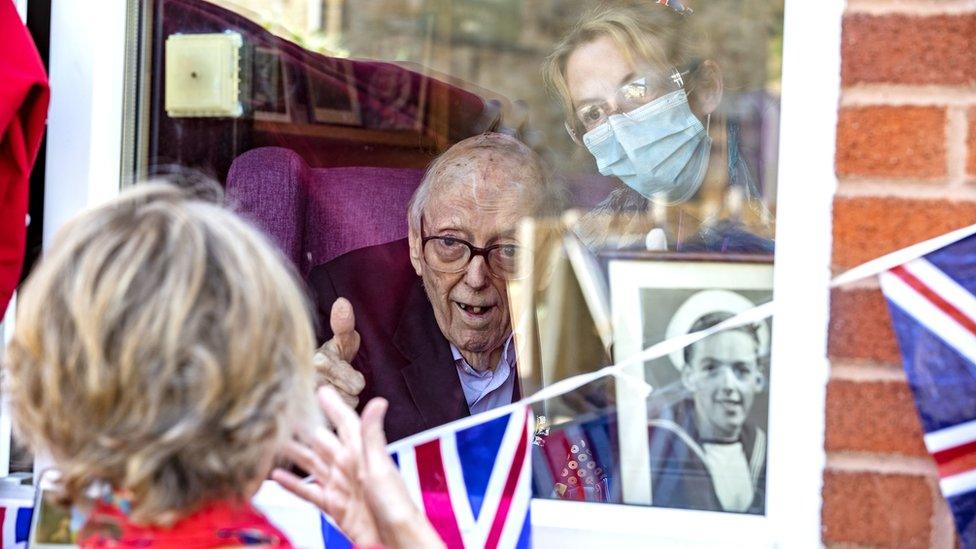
162, 350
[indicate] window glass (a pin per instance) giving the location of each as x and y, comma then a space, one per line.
641, 145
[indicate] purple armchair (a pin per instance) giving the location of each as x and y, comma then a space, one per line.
317, 214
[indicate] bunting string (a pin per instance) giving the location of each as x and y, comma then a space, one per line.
663, 348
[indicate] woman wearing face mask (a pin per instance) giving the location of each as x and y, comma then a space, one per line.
642, 96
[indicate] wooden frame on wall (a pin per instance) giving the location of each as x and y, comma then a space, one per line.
271, 82
333, 98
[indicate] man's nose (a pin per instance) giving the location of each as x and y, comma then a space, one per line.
476, 275
727, 379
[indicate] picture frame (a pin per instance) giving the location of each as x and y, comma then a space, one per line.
271, 85
560, 310
657, 296
332, 94
397, 96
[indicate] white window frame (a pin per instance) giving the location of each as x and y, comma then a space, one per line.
84, 125
6, 425
84, 157
21, 7
84, 129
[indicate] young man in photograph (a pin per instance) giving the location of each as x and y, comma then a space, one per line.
705, 454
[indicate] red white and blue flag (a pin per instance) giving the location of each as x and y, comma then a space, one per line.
472, 478
933, 310
16, 518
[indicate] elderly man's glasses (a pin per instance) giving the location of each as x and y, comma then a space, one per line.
628, 97
449, 254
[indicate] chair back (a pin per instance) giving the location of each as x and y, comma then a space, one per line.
317, 214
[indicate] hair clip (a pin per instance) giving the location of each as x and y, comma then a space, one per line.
677, 6
677, 79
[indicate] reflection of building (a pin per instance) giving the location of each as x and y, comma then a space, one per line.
295, 16
316, 24
498, 46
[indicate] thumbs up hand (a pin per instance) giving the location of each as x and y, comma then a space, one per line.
332, 360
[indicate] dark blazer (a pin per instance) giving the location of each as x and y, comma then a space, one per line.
403, 355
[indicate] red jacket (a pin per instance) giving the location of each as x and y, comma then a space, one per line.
216, 524
23, 111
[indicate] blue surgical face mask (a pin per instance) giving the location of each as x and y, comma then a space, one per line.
659, 149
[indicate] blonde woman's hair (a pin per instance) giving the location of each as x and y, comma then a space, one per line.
646, 33
162, 350
737, 34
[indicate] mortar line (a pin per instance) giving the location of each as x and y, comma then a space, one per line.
911, 7
907, 94
891, 464
956, 146
867, 372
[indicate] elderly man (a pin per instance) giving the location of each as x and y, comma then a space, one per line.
424, 321
704, 453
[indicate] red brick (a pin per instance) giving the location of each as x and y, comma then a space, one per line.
860, 327
875, 509
892, 142
971, 144
868, 227
905, 49
872, 416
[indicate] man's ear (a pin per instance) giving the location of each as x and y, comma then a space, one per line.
416, 247
707, 89
760, 382
686, 378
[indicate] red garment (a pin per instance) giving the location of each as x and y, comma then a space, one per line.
23, 111
218, 524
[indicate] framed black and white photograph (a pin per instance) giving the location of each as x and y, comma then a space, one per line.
698, 441
270, 86
332, 94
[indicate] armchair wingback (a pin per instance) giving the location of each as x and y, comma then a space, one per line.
317, 214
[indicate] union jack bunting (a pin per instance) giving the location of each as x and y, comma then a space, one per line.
933, 310
473, 480
16, 519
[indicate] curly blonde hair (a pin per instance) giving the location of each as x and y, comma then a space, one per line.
162, 350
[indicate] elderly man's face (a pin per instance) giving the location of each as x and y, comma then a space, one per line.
724, 376
480, 204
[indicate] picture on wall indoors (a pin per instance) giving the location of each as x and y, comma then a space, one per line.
706, 417
270, 86
332, 93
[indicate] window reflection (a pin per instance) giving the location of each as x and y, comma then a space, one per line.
658, 126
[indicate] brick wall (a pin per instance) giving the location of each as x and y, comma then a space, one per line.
906, 162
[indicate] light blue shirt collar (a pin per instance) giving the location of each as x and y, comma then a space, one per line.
490, 389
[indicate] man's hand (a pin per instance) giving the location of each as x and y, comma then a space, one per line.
333, 359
